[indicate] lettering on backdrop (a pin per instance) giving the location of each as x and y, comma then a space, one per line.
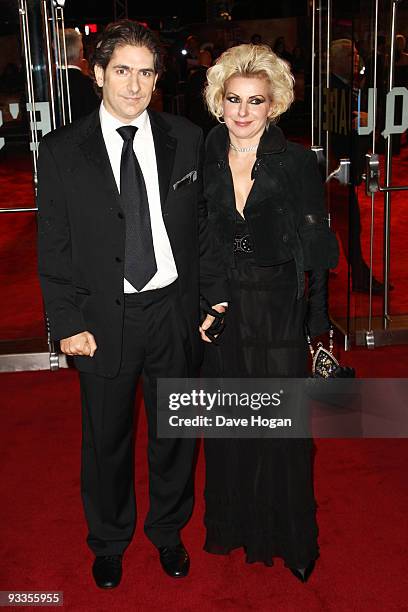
42, 119
336, 111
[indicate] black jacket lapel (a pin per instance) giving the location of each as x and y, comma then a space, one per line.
94, 149
165, 147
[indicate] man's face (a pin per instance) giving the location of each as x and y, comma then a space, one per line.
356, 64
345, 60
128, 82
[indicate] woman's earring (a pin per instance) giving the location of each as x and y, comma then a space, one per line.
221, 120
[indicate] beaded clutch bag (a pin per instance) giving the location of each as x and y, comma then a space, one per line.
325, 364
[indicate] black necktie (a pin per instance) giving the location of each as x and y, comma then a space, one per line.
140, 260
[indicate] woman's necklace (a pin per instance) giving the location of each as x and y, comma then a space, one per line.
244, 149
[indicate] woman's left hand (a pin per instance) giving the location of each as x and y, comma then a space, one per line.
208, 321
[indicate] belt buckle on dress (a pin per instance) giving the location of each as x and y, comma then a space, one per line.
243, 244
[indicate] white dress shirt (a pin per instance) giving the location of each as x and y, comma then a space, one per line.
143, 146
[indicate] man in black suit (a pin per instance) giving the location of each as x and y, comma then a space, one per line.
347, 143
124, 254
83, 98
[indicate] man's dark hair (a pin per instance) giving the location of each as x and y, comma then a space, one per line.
122, 33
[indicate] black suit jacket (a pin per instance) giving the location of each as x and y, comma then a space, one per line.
81, 233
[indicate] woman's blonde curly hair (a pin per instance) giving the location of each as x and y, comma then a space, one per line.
250, 61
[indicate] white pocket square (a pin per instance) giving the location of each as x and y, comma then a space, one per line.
186, 180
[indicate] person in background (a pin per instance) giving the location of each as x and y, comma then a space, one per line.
169, 78
256, 39
400, 80
347, 143
298, 59
280, 49
401, 55
83, 97
193, 47
196, 109
267, 214
381, 60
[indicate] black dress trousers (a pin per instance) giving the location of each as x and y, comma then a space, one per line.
155, 344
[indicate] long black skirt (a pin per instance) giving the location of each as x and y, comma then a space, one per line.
259, 492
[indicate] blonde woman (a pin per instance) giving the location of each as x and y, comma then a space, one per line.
266, 211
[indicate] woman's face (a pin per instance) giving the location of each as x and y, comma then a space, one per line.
246, 105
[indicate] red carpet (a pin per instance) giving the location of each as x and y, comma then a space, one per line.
361, 490
361, 485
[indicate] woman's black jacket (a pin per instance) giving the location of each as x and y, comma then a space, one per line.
285, 212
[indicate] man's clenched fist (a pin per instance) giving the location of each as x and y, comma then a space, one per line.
80, 344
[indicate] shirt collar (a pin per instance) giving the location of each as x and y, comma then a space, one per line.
110, 124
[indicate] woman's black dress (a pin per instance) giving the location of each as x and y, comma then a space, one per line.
259, 492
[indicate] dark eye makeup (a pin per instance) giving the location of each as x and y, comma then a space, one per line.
256, 100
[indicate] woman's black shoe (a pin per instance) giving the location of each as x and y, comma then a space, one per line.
303, 573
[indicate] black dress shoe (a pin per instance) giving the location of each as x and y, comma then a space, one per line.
107, 571
174, 560
303, 573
